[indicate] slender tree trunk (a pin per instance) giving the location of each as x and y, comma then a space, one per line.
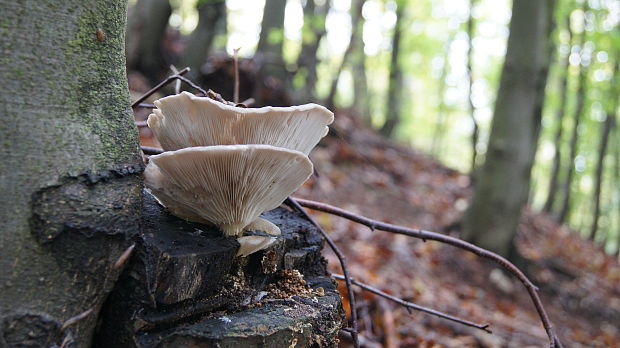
356, 15
574, 140
272, 39
312, 33
470, 81
616, 176
147, 26
70, 167
211, 21
500, 194
396, 85
361, 99
602, 151
557, 139
440, 125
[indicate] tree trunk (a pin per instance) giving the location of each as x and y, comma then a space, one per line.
312, 33
602, 151
147, 26
361, 101
470, 81
272, 38
396, 85
211, 21
574, 140
557, 139
501, 192
356, 15
70, 167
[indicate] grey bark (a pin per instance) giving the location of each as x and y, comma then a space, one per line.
356, 15
147, 26
396, 84
70, 163
501, 191
271, 40
470, 82
606, 128
559, 119
312, 33
361, 96
211, 21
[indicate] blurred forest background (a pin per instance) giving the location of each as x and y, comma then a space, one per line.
467, 116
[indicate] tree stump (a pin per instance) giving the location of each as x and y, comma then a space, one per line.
184, 287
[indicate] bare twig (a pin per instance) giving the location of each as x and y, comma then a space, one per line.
141, 124
124, 257
427, 235
177, 84
192, 84
149, 150
160, 86
236, 66
410, 305
292, 202
71, 321
145, 106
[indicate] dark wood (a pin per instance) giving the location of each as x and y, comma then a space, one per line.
183, 277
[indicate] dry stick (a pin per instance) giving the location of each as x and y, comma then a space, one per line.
409, 305
424, 235
177, 84
191, 84
159, 86
292, 202
150, 150
236, 63
145, 106
124, 257
75, 319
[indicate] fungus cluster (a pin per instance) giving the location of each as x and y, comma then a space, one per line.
225, 165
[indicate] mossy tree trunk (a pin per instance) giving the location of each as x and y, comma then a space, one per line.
70, 184
504, 179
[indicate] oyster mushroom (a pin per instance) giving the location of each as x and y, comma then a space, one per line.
184, 120
229, 185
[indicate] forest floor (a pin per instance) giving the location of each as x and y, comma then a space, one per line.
362, 172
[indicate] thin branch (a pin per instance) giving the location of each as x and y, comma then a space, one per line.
192, 84
124, 257
292, 202
427, 235
160, 86
236, 64
177, 84
410, 305
145, 106
75, 319
141, 124
150, 150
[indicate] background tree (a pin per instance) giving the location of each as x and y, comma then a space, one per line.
211, 22
396, 84
559, 118
312, 33
582, 87
504, 179
70, 169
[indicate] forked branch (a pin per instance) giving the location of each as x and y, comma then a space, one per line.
427, 235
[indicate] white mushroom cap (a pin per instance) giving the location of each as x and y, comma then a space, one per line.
184, 120
229, 185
